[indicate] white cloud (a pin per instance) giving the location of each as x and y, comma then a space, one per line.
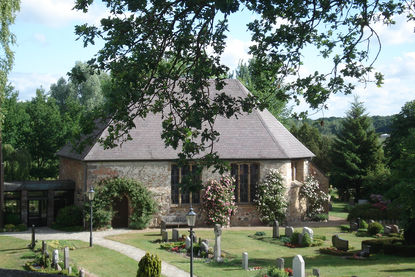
236, 50
57, 13
400, 33
27, 83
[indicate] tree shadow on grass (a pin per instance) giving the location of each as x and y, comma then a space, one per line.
399, 270
13, 249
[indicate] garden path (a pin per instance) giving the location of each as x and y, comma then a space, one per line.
44, 233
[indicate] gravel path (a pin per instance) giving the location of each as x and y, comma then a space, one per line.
44, 233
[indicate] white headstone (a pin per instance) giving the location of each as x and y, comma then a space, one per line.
289, 231
275, 230
309, 231
245, 260
188, 242
55, 257
66, 257
298, 266
82, 273
280, 263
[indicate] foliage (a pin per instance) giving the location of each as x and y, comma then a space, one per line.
321, 217
335, 252
409, 233
157, 53
306, 240
108, 190
218, 200
263, 86
69, 216
149, 266
363, 224
17, 163
372, 211
316, 199
356, 152
376, 182
260, 234
344, 228
319, 144
270, 200
374, 228
295, 238
272, 271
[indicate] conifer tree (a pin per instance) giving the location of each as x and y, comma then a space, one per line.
356, 151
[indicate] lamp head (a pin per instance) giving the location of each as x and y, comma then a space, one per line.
91, 194
191, 218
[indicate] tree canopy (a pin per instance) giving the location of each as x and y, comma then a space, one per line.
141, 35
356, 151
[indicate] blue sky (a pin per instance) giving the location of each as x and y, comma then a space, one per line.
47, 49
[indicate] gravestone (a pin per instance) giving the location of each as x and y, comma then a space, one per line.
164, 236
217, 248
55, 257
82, 273
204, 247
194, 238
354, 226
275, 229
298, 266
387, 230
44, 246
395, 229
340, 244
371, 221
359, 222
365, 251
280, 263
309, 231
33, 243
316, 272
188, 242
289, 231
245, 260
70, 270
66, 258
162, 227
175, 235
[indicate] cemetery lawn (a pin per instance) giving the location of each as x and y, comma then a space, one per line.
338, 210
98, 260
235, 241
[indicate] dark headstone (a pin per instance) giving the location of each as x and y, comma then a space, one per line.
316, 272
354, 226
280, 263
340, 244
33, 243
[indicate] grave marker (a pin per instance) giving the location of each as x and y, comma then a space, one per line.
298, 266
289, 231
245, 260
276, 230
66, 258
217, 248
164, 236
175, 235
280, 263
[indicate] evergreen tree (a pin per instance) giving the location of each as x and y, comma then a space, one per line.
356, 151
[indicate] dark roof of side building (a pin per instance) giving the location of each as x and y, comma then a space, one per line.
258, 135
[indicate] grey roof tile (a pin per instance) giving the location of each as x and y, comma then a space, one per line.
258, 135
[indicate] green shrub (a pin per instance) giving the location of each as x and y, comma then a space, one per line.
140, 198
320, 217
409, 233
374, 228
21, 227
11, 218
377, 245
295, 238
273, 272
363, 224
69, 216
149, 266
345, 228
368, 211
306, 241
260, 234
9, 227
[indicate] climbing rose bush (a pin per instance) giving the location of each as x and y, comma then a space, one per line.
270, 197
218, 200
316, 199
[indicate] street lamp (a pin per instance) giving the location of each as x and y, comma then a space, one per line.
191, 220
91, 195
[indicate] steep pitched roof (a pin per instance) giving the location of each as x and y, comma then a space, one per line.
258, 135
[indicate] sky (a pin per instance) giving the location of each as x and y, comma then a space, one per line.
47, 48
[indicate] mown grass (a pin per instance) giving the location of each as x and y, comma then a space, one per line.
98, 260
264, 254
339, 210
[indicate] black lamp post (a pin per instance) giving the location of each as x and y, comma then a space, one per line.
91, 195
191, 220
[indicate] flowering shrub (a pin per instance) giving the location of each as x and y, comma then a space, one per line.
379, 202
270, 200
315, 198
218, 200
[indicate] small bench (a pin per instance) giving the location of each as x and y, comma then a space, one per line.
173, 221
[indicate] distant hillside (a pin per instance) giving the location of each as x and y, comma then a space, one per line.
331, 125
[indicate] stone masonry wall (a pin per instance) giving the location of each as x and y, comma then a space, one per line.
74, 170
156, 176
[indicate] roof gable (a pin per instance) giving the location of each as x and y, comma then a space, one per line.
258, 135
